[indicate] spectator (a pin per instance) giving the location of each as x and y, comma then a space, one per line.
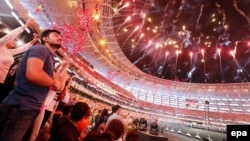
96, 117
101, 121
115, 128
116, 114
132, 136
7, 51
113, 131
66, 129
33, 79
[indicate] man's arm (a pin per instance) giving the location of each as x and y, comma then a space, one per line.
35, 73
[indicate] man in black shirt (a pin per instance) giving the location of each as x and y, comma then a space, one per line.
66, 128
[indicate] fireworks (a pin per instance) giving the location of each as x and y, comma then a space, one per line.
205, 29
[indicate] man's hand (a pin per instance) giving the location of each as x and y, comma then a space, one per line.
35, 39
60, 80
56, 85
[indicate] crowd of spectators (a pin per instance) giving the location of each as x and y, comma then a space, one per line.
39, 106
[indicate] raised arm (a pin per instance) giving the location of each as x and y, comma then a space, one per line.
25, 47
11, 35
14, 33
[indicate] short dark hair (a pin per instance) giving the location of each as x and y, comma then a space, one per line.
115, 129
46, 33
133, 136
115, 108
80, 110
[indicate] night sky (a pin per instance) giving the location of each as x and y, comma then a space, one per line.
198, 41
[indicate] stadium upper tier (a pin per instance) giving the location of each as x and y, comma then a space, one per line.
223, 98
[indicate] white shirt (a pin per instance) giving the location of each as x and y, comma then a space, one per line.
51, 100
66, 98
115, 116
6, 55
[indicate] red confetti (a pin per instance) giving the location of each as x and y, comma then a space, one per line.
84, 19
